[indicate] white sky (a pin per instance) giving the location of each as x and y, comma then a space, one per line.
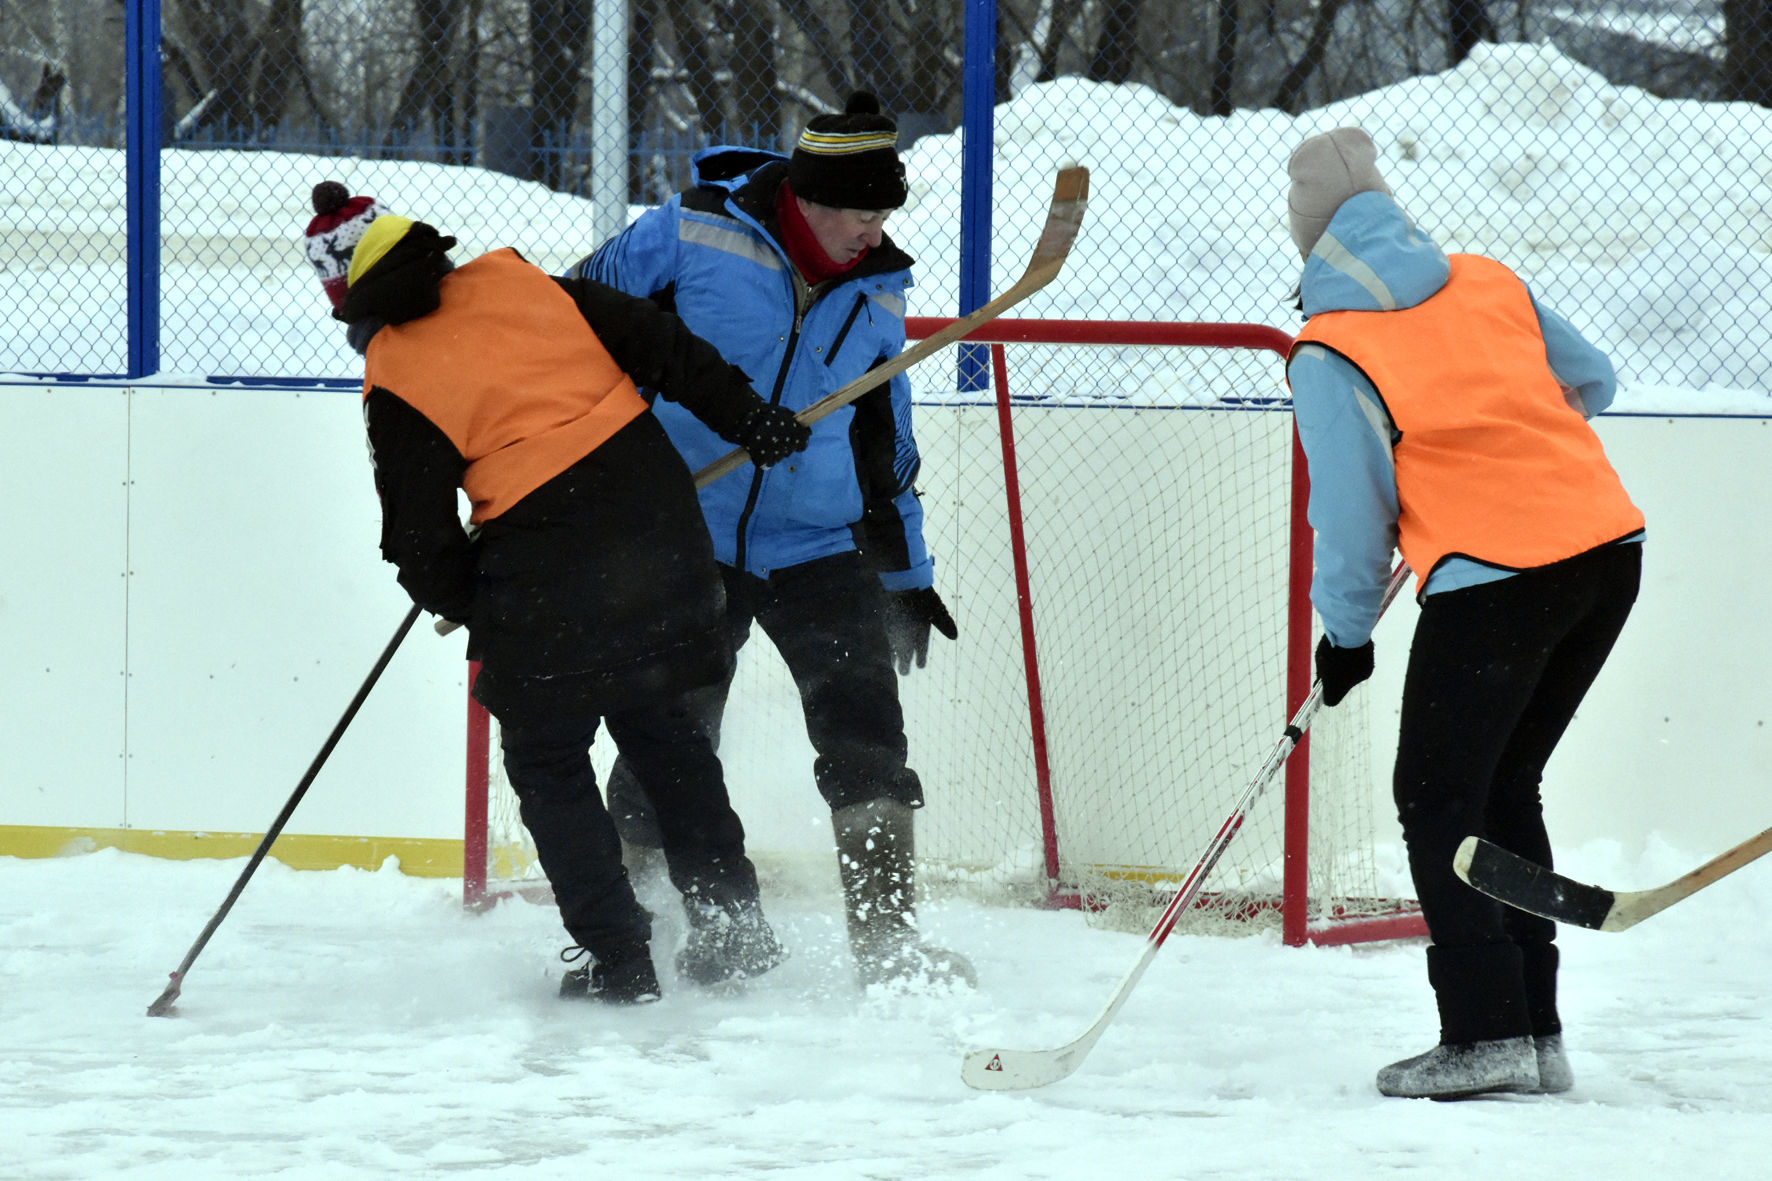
353, 1024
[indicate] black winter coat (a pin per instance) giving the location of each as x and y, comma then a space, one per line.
598, 590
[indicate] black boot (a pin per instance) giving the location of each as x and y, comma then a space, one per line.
727, 943
1480, 992
876, 858
625, 978
1464, 1070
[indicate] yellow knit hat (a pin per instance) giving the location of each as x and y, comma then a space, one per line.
383, 233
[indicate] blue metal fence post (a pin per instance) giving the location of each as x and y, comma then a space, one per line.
141, 77
977, 142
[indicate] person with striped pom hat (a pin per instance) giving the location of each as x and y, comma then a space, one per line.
785, 265
588, 586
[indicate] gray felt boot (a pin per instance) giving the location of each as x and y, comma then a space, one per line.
876, 857
1554, 1075
1464, 1069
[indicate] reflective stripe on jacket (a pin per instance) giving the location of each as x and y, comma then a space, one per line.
710, 255
519, 417
1492, 461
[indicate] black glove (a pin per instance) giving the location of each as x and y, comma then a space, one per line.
772, 433
909, 615
1340, 669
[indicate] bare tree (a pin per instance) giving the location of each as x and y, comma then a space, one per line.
241, 72
425, 110
1224, 69
697, 39
1467, 22
756, 107
1289, 94
558, 33
1117, 43
1747, 66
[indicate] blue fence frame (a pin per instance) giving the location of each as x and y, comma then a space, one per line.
143, 83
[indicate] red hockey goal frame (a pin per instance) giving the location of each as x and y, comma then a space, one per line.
1296, 928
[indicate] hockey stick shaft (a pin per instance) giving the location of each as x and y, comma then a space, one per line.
1018, 1070
1070, 198
163, 1003
1525, 885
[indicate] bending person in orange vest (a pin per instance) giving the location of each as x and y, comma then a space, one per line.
590, 592
1443, 413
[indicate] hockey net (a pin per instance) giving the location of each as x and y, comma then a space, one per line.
1116, 515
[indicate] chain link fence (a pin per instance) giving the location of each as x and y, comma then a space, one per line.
1613, 153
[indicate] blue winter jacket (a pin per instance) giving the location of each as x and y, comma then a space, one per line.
713, 255
1373, 258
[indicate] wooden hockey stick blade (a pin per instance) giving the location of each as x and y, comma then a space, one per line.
1526, 886
1070, 198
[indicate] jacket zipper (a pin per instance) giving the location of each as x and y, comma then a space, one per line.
804, 298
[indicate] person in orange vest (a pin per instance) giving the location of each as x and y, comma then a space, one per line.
588, 588
1443, 413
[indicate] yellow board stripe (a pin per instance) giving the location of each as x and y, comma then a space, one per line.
419, 857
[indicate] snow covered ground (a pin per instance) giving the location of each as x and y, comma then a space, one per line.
352, 1024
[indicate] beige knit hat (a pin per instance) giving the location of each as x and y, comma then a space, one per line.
1326, 170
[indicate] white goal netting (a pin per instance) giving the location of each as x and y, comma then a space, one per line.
1154, 492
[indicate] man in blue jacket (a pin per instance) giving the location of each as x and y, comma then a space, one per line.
785, 266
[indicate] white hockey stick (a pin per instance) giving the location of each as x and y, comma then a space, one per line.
1024, 1070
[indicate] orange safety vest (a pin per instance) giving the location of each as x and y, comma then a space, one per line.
508, 369
1493, 463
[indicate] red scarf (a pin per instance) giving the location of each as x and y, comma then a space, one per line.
802, 244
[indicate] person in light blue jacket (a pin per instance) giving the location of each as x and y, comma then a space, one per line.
1443, 412
783, 263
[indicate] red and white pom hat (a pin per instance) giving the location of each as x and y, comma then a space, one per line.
340, 221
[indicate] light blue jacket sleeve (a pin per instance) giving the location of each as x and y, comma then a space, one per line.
1583, 369
1347, 438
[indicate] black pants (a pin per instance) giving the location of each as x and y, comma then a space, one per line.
827, 620
548, 763
1495, 675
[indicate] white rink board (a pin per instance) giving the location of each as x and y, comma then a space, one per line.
255, 605
258, 603
1675, 738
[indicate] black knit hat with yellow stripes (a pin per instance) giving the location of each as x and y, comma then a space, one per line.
849, 161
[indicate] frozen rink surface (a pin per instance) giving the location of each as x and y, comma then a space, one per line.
351, 1024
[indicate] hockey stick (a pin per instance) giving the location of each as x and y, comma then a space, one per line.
1070, 197
1024, 1070
1524, 885
162, 1005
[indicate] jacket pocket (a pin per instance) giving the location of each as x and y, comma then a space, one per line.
830, 355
